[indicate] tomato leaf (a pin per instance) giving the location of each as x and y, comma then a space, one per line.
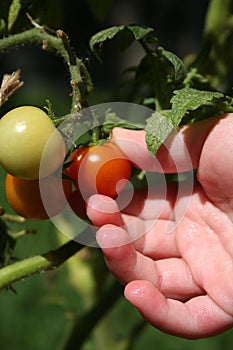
99, 38
4, 10
189, 99
134, 32
175, 61
13, 14
139, 32
185, 100
157, 129
126, 34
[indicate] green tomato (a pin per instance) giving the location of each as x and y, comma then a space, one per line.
24, 134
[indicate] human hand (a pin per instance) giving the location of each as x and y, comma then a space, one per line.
180, 278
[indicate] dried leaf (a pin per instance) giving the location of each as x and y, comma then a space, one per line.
10, 83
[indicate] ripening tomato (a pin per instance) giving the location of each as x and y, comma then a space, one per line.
24, 133
102, 169
24, 196
78, 205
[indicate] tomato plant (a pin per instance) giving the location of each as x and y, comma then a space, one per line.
24, 133
176, 91
102, 169
24, 196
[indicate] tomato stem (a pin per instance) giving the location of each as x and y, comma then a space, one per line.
214, 58
80, 79
27, 267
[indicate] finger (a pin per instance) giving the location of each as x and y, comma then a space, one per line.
209, 262
180, 152
156, 242
199, 317
137, 213
121, 257
170, 275
103, 210
153, 203
150, 236
216, 166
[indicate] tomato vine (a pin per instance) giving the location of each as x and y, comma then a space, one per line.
179, 91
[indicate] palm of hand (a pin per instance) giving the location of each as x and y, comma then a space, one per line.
180, 281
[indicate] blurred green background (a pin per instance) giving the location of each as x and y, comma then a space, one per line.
40, 311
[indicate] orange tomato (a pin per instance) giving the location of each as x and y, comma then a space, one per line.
24, 196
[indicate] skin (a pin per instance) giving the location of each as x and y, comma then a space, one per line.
181, 280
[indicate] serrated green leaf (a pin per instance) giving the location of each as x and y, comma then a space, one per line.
185, 100
176, 62
139, 32
158, 128
14, 10
126, 33
102, 36
131, 33
189, 99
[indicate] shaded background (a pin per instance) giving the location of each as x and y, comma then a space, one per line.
178, 24
39, 313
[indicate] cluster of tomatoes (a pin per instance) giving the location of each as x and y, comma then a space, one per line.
25, 133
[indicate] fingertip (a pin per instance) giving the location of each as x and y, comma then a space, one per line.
138, 290
111, 236
103, 210
119, 253
99, 201
146, 298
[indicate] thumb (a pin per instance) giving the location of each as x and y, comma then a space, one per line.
180, 151
216, 166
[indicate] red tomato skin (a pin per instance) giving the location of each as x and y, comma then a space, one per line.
78, 204
100, 169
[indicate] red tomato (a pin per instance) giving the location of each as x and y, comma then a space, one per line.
78, 204
102, 169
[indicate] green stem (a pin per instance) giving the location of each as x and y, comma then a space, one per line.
215, 57
38, 263
13, 218
35, 35
218, 17
79, 77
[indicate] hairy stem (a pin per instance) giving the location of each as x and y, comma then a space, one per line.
79, 77
38, 263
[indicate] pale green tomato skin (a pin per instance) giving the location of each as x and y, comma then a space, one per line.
24, 133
